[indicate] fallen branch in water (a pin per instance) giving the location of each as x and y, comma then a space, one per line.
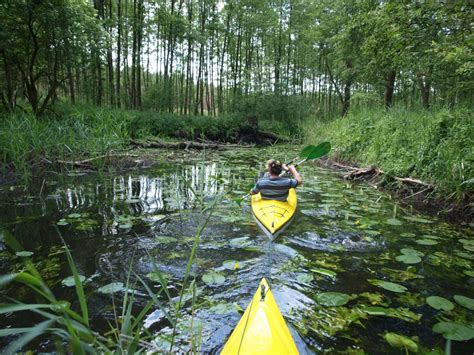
371, 174
87, 162
186, 145
414, 181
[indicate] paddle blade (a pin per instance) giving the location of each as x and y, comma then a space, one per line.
307, 151
319, 151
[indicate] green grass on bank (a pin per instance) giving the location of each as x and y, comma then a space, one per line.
433, 146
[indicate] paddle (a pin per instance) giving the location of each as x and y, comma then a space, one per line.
309, 152
312, 152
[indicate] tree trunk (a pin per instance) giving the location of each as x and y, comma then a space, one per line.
389, 87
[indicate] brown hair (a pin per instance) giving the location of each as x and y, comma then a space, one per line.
275, 166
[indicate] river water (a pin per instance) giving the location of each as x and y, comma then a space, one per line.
347, 238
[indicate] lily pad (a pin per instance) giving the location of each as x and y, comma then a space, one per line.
241, 242
69, 281
389, 286
464, 301
400, 341
454, 331
440, 303
303, 277
112, 287
408, 235
213, 278
408, 259
394, 222
222, 308
24, 253
231, 265
332, 299
426, 242
409, 251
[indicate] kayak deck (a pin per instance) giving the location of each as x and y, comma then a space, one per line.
262, 329
274, 216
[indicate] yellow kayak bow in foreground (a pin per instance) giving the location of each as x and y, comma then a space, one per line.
262, 329
274, 216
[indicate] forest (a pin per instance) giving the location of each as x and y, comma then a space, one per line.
93, 90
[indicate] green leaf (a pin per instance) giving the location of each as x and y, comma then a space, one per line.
469, 273
440, 303
231, 265
35, 331
213, 278
303, 277
325, 272
222, 308
332, 299
162, 239
408, 259
394, 222
400, 341
74, 215
399, 313
112, 287
69, 281
24, 253
389, 286
409, 251
464, 301
241, 242
454, 331
426, 242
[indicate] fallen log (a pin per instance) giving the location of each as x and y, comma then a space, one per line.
87, 162
186, 145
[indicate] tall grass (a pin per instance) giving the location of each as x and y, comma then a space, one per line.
435, 146
26, 141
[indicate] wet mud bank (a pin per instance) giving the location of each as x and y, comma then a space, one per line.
411, 192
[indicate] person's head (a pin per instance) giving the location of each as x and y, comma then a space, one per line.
274, 167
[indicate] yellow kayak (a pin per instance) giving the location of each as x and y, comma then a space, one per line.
274, 216
262, 329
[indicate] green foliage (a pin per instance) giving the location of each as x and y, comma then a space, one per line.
150, 123
434, 146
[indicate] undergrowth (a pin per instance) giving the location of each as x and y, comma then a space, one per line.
434, 146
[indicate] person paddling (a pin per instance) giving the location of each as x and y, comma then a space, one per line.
272, 186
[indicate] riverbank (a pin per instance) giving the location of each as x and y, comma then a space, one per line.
29, 146
432, 151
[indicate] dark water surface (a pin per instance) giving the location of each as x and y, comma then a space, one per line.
343, 236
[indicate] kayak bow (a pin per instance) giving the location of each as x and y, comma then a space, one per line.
274, 216
262, 329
